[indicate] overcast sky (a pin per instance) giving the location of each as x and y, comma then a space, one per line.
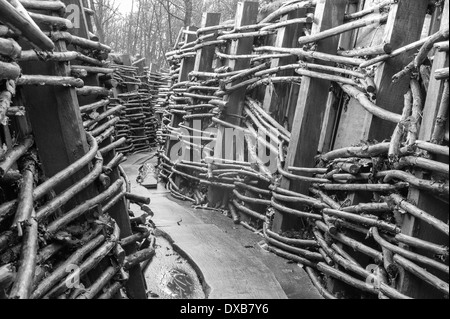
125, 5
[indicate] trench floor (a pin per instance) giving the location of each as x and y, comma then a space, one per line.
227, 258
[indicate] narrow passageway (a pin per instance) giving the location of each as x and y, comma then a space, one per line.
228, 258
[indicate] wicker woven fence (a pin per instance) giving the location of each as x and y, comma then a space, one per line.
352, 103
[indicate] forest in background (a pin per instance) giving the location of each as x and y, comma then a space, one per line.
151, 28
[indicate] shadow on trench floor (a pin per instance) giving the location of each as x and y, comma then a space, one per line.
202, 254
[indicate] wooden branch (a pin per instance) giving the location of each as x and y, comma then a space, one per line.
94, 106
22, 286
92, 69
428, 46
370, 106
104, 115
368, 208
439, 250
313, 256
418, 213
106, 207
26, 204
113, 145
99, 283
134, 238
416, 116
316, 282
442, 74
248, 211
82, 209
58, 22
385, 188
288, 8
14, 154
421, 273
327, 68
31, 55
359, 284
408, 254
366, 250
369, 10
442, 46
424, 163
384, 48
61, 199
102, 128
9, 70
93, 90
5, 103
61, 271
51, 183
78, 41
138, 199
283, 209
379, 18
10, 48
290, 241
440, 189
91, 262
313, 55
396, 52
433, 148
139, 257
111, 291
400, 129
49, 80
252, 200
325, 76
363, 220
16, 17
442, 117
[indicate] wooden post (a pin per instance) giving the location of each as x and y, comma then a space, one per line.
276, 98
246, 14
89, 24
75, 13
187, 66
311, 106
434, 95
56, 120
205, 56
356, 123
204, 63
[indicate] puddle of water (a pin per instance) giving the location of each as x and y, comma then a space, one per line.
179, 284
169, 276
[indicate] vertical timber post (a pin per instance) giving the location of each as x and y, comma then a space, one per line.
187, 65
276, 98
246, 14
204, 63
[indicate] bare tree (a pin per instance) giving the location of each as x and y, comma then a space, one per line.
152, 26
